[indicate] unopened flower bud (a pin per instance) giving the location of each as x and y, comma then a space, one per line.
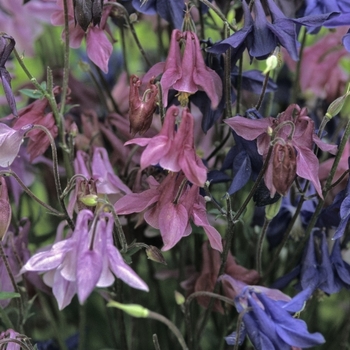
89, 200
154, 254
336, 106
141, 111
271, 210
269, 131
133, 18
134, 310
179, 298
73, 130
284, 167
271, 64
5, 208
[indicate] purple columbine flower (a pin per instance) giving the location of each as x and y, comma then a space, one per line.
186, 72
85, 260
174, 150
268, 320
10, 142
296, 132
261, 37
318, 269
169, 208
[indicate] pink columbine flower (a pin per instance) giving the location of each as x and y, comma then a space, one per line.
187, 72
170, 212
98, 47
86, 260
294, 130
10, 142
174, 150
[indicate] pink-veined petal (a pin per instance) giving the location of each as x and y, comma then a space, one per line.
307, 167
249, 129
98, 47
173, 220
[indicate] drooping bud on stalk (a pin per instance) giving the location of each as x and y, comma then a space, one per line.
5, 208
141, 110
336, 106
271, 210
284, 167
134, 310
154, 254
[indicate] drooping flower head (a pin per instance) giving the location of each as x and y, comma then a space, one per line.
98, 47
261, 36
268, 320
10, 142
169, 206
174, 150
85, 260
293, 150
186, 73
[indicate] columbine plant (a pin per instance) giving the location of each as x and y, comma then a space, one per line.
197, 151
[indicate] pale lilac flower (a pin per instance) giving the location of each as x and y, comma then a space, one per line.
171, 217
85, 260
10, 142
14, 19
8, 335
98, 47
187, 72
301, 137
174, 150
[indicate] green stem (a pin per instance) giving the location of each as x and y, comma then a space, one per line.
219, 14
325, 190
132, 29
82, 327
259, 248
19, 301
296, 85
56, 174
155, 342
155, 316
49, 316
263, 91
66, 59
29, 192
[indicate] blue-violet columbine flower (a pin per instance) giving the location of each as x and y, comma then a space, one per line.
261, 37
268, 320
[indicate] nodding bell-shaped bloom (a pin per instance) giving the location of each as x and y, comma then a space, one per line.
141, 110
169, 206
98, 47
268, 320
10, 142
187, 72
295, 135
85, 260
174, 150
261, 37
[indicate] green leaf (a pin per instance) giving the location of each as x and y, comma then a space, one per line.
9, 295
32, 93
